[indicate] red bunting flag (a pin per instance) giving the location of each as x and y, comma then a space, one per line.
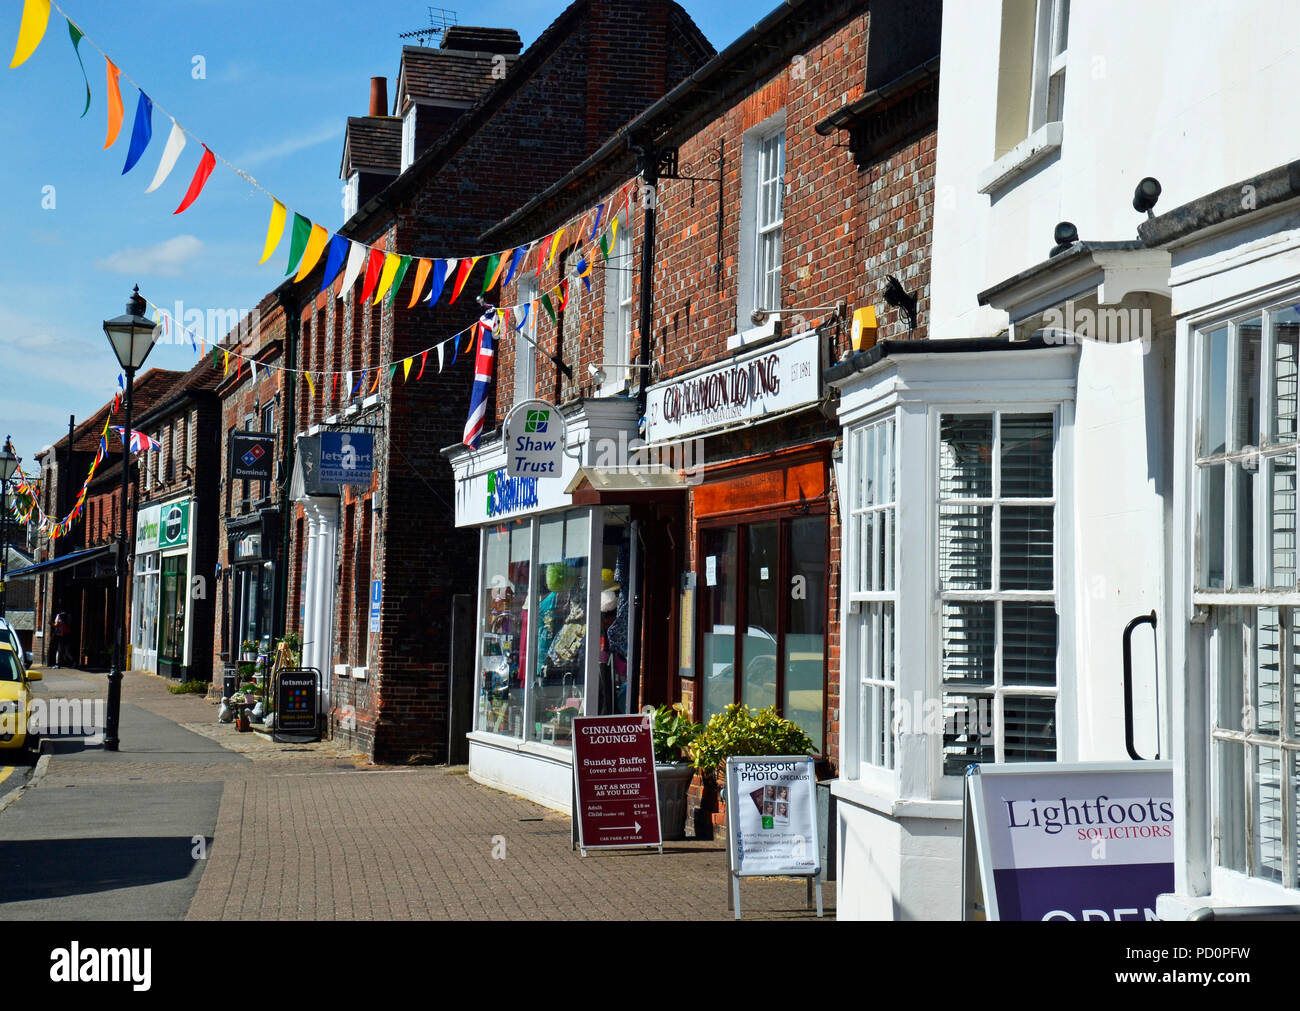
373, 268
206, 164
462, 275
564, 295
423, 355
541, 257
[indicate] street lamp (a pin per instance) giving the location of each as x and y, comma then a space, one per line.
8, 465
132, 336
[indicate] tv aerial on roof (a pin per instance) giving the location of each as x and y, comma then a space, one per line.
440, 19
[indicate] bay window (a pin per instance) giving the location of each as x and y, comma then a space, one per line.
1245, 583
997, 602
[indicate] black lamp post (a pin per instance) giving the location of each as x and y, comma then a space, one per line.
8, 465
132, 336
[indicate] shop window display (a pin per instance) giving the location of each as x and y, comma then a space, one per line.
505, 632
559, 686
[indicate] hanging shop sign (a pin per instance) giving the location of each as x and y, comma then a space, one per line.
147, 529
615, 790
1081, 841
534, 437
347, 457
251, 456
174, 525
745, 388
248, 548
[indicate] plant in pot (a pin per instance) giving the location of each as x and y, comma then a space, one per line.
739, 730
672, 733
248, 651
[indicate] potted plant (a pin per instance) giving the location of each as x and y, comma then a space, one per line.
740, 730
248, 651
672, 733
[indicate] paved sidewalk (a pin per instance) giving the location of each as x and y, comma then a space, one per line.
314, 832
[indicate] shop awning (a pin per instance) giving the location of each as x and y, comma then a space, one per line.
63, 562
624, 485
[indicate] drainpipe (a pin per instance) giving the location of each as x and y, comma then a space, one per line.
648, 159
292, 327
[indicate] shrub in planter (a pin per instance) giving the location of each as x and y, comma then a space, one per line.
672, 732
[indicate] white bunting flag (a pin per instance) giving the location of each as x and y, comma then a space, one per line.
171, 151
356, 260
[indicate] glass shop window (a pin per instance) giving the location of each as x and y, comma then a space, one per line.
560, 588
505, 633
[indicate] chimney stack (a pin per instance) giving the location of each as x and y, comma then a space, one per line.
379, 96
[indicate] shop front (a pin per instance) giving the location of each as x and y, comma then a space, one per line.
755, 612
160, 623
555, 607
252, 553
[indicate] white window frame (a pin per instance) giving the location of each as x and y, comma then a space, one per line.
408, 137
525, 386
871, 621
616, 349
1051, 40
351, 195
754, 228
1231, 639
998, 691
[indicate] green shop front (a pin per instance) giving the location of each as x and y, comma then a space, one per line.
161, 617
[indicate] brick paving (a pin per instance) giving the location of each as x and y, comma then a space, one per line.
312, 831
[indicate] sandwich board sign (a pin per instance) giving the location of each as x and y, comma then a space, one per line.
615, 791
772, 821
1073, 841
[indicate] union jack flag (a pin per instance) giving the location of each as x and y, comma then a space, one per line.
482, 377
139, 441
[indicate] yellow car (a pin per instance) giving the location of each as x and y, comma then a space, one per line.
15, 700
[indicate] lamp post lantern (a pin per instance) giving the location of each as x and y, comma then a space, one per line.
8, 465
132, 336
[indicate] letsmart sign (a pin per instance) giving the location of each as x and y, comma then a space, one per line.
347, 457
534, 437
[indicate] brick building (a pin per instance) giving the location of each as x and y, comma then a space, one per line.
175, 549
256, 411
76, 573
771, 194
473, 112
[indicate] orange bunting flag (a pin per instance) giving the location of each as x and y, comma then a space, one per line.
375, 387
114, 104
462, 275
421, 275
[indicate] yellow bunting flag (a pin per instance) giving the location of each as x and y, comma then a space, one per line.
391, 262
114, 104
225, 357
310, 385
406, 369
555, 248
315, 246
613, 231
274, 230
36, 15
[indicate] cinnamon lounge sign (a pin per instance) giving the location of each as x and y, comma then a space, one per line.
745, 388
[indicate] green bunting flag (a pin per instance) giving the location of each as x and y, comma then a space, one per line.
75, 32
397, 278
493, 268
298, 241
546, 304
604, 246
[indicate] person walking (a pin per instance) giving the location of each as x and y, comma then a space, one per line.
62, 626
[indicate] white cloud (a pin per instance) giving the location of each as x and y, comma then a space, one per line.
163, 259
290, 145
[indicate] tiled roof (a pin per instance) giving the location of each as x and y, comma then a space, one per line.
372, 142
446, 75
148, 390
482, 40
203, 376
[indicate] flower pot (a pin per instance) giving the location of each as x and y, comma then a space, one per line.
673, 780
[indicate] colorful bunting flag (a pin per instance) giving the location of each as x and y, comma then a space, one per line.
546, 304
114, 104
564, 295
466, 266
391, 263
356, 261
76, 34
515, 260
141, 132
274, 227
441, 268
315, 246
421, 275
600, 209
206, 164
172, 151
402, 268
373, 267
36, 16
334, 258
297, 241
541, 257
423, 357
406, 368
491, 272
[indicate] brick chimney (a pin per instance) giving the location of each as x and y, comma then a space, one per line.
379, 96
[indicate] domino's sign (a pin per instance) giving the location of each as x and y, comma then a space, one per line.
251, 456
534, 438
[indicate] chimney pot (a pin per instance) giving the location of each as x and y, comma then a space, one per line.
379, 96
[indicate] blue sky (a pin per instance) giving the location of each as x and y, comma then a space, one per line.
279, 82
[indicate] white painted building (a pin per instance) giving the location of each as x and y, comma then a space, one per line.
1103, 425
